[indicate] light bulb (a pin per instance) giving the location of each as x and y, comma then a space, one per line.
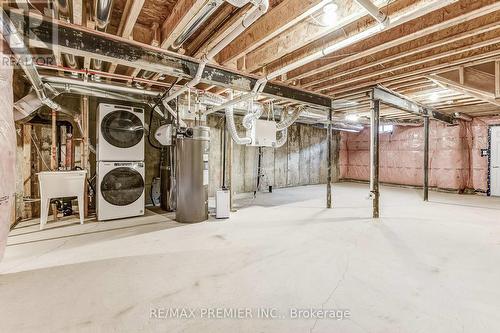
329, 16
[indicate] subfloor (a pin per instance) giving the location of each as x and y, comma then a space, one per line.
423, 267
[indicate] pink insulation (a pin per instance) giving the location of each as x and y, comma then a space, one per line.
479, 164
7, 151
455, 155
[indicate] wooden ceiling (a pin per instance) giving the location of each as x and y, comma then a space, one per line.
447, 55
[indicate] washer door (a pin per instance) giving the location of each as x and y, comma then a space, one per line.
122, 129
122, 186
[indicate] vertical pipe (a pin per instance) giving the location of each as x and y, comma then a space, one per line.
53, 148
70, 152
329, 169
426, 158
84, 143
224, 151
85, 149
374, 157
229, 180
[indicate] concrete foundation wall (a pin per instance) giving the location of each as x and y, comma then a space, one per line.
301, 161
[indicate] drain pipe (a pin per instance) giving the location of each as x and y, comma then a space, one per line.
374, 11
260, 7
22, 55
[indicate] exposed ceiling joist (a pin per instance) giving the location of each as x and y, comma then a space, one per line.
129, 18
480, 55
301, 34
178, 20
450, 51
464, 89
429, 24
282, 17
497, 79
401, 51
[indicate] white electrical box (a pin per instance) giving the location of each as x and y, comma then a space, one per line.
222, 204
263, 133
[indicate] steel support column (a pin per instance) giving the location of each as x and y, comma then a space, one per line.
329, 180
426, 158
374, 157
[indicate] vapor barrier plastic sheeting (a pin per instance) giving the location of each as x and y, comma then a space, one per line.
479, 164
7, 152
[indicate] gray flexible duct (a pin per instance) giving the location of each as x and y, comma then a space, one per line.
231, 126
255, 113
282, 140
288, 121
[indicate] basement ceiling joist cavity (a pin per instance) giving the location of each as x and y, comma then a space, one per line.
42, 33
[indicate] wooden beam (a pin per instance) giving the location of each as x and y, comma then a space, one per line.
27, 213
404, 50
53, 142
77, 6
129, 18
303, 33
182, 13
429, 24
497, 79
449, 51
440, 66
282, 17
465, 90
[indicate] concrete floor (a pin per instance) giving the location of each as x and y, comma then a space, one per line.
423, 267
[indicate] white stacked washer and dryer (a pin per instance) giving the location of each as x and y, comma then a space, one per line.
120, 161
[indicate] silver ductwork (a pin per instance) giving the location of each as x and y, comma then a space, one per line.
196, 22
288, 121
283, 138
24, 59
231, 126
260, 7
62, 11
102, 13
102, 16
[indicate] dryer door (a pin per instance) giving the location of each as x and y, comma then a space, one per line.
122, 186
122, 129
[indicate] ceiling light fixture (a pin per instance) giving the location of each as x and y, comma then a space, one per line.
329, 16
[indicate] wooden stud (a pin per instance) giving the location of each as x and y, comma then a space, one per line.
53, 142
27, 169
497, 79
